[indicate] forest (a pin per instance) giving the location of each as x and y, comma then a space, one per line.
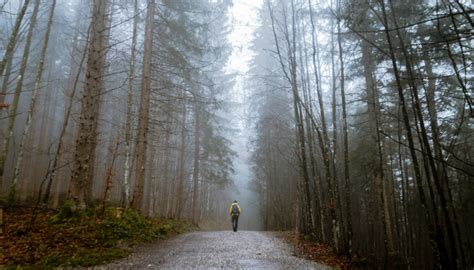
356, 115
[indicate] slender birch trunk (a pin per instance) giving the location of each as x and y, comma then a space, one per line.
16, 98
128, 123
14, 37
31, 109
5, 84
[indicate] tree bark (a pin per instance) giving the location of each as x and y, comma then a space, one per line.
182, 156
31, 109
345, 131
80, 189
143, 115
16, 98
14, 37
128, 123
376, 146
197, 146
74, 77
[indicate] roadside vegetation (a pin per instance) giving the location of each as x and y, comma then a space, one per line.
71, 237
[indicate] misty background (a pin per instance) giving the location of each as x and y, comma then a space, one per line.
349, 123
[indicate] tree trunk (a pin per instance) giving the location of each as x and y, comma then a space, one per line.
143, 117
197, 146
14, 37
439, 157
74, 78
16, 98
376, 147
128, 123
334, 152
80, 188
5, 84
316, 176
345, 132
182, 156
108, 179
31, 109
165, 176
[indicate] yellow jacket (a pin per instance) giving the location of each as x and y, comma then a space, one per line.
230, 208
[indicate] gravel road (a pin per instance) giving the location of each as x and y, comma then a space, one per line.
216, 250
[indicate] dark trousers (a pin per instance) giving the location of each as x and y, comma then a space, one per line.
235, 222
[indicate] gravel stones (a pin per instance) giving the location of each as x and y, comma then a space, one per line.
216, 250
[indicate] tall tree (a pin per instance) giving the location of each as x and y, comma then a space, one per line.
128, 122
18, 89
143, 114
196, 163
85, 150
38, 78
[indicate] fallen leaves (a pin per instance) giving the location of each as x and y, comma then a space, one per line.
318, 252
24, 244
87, 240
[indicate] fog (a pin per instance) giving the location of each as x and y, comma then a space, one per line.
349, 122
243, 15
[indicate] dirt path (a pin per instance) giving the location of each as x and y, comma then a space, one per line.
223, 250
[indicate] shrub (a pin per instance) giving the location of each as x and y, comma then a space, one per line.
67, 211
131, 225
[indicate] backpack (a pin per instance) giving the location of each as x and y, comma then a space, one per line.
235, 210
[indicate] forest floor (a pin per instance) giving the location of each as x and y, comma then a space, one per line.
61, 238
217, 250
317, 252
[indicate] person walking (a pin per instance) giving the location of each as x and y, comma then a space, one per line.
234, 211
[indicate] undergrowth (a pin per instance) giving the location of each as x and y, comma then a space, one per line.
72, 237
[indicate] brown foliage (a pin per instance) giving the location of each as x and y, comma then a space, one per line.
22, 244
318, 252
